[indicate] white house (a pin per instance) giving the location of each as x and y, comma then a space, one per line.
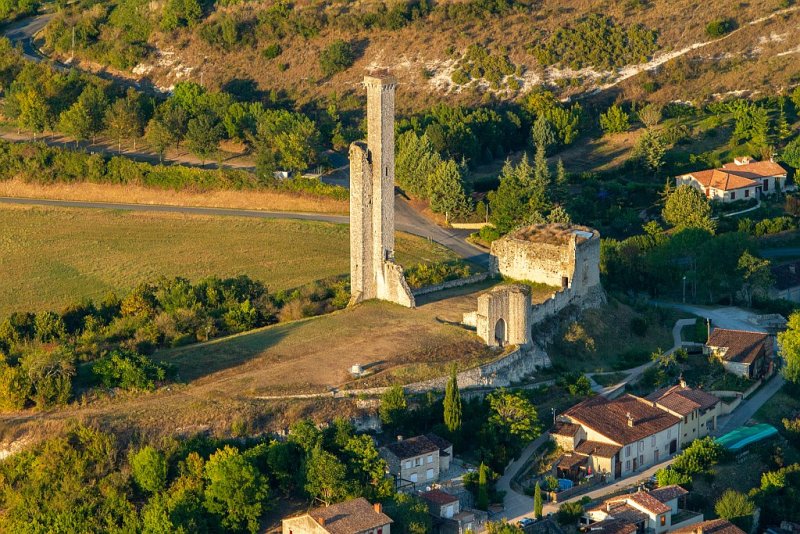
698, 409
741, 180
654, 511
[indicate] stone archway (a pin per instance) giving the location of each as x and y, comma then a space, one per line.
500, 332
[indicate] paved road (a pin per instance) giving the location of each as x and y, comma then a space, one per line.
407, 220
771, 253
746, 410
725, 317
517, 505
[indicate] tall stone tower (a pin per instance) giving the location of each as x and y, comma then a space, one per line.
373, 271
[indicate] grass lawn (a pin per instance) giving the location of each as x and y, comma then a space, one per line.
50, 257
609, 379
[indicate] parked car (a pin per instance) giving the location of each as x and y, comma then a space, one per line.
524, 522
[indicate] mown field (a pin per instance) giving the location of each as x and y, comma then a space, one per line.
50, 257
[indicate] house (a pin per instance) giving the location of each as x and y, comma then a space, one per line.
448, 518
417, 460
615, 438
786, 281
643, 511
698, 409
741, 180
356, 516
743, 353
713, 526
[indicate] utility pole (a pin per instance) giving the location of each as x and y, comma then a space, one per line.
553, 409
72, 56
684, 289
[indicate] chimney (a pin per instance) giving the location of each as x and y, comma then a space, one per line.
699, 530
682, 381
399, 437
708, 328
630, 419
378, 507
744, 160
321, 521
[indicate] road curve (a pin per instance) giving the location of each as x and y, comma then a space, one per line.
407, 220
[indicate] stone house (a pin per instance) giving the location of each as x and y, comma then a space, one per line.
356, 516
698, 409
615, 438
741, 180
417, 460
713, 526
448, 518
743, 353
654, 511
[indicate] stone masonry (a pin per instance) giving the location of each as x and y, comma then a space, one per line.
373, 271
503, 316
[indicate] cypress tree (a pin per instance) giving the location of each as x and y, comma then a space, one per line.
452, 403
483, 488
537, 502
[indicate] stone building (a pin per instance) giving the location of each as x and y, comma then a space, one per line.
559, 255
698, 409
356, 516
503, 316
745, 354
417, 460
373, 271
656, 511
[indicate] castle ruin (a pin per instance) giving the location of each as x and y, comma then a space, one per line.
373, 271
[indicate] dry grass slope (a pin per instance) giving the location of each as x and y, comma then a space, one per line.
51, 257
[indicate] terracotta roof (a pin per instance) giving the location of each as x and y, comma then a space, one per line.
569, 460
565, 429
649, 503
438, 441
756, 169
597, 448
714, 526
350, 517
612, 526
625, 512
742, 346
438, 496
683, 400
416, 446
787, 275
722, 180
610, 417
667, 493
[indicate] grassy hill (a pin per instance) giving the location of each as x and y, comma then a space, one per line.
53, 257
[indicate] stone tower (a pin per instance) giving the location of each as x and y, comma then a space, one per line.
373, 272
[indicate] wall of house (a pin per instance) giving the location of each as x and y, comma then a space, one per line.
696, 424
409, 467
736, 368
644, 450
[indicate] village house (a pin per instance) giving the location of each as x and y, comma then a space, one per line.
654, 511
698, 409
741, 180
743, 353
417, 460
615, 438
713, 526
448, 518
356, 516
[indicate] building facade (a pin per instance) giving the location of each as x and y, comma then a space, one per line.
418, 460
655, 511
743, 179
698, 409
742, 353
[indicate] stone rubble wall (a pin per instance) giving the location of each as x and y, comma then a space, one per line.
458, 282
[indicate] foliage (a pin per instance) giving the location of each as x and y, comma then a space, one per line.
614, 120
734, 505
538, 505
430, 274
479, 63
699, 457
523, 196
446, 189
336, 57
149, 469
409, 514
128, 370
650, 150
513, 414
686, 207
789, 342
597, 41
569, 513
502, 527
719, 27
326, 476
235, 490
482, 502
452, 403
393, 405
791, 153
669, 477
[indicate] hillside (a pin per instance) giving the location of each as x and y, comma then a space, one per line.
275, 46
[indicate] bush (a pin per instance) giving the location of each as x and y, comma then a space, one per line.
639, 326
569, 513
128, 370
271, 51
718, 28
336, 57
615, 120
431, 274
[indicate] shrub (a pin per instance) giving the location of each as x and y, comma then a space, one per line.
149, 469
459, 77
430, 274
336, 57
639, 326
271, 51
719, 27
128, 370
615, 120
569, 513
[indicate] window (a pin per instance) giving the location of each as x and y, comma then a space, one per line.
627, 451
408, 464
413, 477
430, 458
448, 512
663, 519
641, 445
418, 461
429, 474
653, 441
733, 195
627, 465
641, 460
746, 193
766, 184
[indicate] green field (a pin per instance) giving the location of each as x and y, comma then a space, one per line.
50, 257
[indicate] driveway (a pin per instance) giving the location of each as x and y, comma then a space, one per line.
725, 317
746, 410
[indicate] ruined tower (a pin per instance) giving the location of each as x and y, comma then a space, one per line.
373, 271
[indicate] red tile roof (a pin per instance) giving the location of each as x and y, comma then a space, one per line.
683, 400
612, 526
714, 526
756, 169
411, 447
438, 496
623, 420
597, 448
649, 503
565, 429
349, 517
722, 180
668, 493
742, 346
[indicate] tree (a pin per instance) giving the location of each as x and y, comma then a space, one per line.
569, 513
415, 161
393, 405
49, 373
124, 118
446, 189
539, 201
452, 403
542, 133
482, 501
756, 276
94, 100
502, 527
15, 387
686, 207
669, 477
336, 57
614, 120
734, 505
538, 506
149, 469
178, 13
650, 115
650, 150
77, 122
789, 342
514, 414
409, 513
33, 111
235, 490
306, 434
791, 153
159, 137
509, 203
326, 476
203, 136
369, 467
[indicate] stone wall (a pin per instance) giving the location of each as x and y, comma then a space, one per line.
503, 316
458, 282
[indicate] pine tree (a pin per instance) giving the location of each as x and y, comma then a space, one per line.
452, 403
540, 184
483, 488
783, 129
560, 188
538, 506
542, 133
